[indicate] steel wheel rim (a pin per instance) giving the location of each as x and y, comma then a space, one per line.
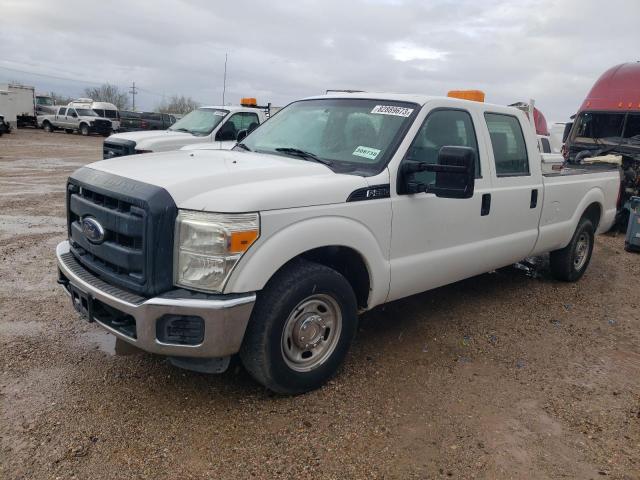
311, 332
582, 251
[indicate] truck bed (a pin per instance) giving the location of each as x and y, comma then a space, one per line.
567, 194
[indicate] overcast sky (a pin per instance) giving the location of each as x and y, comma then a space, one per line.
283, 50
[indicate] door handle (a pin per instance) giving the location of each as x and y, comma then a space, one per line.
534, 198
486, 205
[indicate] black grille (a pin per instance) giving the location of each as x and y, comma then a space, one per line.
138, 221
102, 126
117, 147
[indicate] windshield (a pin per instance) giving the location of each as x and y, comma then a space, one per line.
608, 128
44, 101
200, 122
85, 112
348, 134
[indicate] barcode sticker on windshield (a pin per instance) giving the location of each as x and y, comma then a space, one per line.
391, 110
366, 152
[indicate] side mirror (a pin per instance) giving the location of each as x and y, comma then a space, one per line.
567, 131
455, 174
225, 135
242, 134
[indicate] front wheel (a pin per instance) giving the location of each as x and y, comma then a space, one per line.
569, 263
300, 329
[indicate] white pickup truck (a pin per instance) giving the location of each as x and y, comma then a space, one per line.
74, 119
334, 206
215, 127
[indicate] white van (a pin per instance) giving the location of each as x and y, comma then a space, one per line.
102, 109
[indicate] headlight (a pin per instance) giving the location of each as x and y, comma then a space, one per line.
208, 246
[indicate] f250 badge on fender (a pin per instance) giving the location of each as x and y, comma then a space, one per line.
92, 229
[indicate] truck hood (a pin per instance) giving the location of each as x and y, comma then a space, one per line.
159, 140
232, 182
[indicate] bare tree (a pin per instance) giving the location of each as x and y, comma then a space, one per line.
178, 104
109, 93
60, 99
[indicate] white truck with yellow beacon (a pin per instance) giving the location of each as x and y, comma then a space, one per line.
337, 204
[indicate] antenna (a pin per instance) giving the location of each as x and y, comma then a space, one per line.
133, 92
224, 84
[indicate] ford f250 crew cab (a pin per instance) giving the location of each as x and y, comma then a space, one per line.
335, 205
72, 119
215, 126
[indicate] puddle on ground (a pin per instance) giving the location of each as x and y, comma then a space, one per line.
108, 343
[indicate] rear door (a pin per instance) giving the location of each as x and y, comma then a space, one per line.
516, 199
72, 120
61, 120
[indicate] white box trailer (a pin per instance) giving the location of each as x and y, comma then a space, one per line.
17, 104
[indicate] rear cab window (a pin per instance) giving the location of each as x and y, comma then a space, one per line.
62, 111
508, 144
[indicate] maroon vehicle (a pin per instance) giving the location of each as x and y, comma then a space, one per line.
608, 122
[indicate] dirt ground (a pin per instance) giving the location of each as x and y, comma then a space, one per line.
501, 376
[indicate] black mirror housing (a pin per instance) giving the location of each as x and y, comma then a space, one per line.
225, 135
455, 174
567, 131
242, 134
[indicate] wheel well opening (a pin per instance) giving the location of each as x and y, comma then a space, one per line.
593, 213
349, 263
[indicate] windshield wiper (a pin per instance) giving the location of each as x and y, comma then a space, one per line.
181, 130
302, 154
243, 146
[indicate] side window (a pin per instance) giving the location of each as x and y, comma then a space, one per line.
62, 111
509, 147
71, 112
442, 128
243, 120
546, 146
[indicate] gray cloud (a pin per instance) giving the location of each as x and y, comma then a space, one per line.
282, 50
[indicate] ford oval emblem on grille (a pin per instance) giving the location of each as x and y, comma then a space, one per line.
92, 229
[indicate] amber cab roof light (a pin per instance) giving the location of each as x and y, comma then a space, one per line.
475, 95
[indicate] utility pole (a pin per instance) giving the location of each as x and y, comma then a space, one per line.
133, 92
224, 84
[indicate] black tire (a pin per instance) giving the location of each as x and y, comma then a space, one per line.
84, 130
262, 350
107, 134
567, 264
47, 127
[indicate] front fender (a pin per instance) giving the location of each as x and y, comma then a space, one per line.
273, 251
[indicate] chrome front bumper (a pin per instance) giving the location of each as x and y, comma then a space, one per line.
225, 316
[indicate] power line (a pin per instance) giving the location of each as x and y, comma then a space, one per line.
73, 80
48, 75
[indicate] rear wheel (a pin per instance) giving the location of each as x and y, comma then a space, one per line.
301, 328
84, 129
569, 263
46, 126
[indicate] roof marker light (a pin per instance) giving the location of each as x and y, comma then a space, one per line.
474, 95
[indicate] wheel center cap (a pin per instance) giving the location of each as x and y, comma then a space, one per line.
308, 331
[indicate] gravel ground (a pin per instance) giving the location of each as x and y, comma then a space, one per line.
500, 376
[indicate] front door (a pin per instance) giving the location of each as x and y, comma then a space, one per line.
436, 241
